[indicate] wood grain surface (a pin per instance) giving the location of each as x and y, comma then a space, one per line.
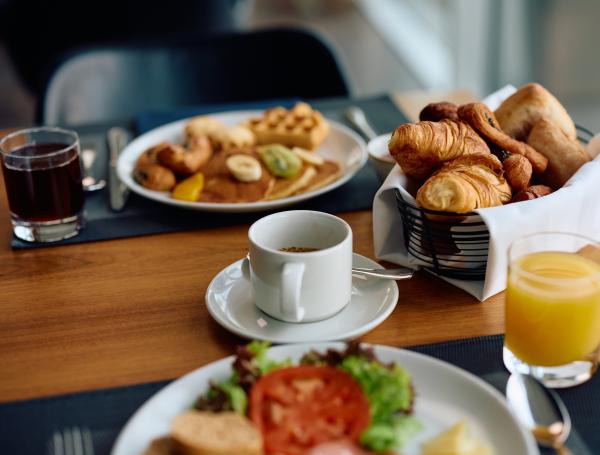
113, 313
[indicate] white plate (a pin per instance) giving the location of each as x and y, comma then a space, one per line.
444, 395
341, 145
229, 301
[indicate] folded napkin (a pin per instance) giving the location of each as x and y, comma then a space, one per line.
573, 208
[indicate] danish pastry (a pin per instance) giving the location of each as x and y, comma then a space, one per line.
482, 119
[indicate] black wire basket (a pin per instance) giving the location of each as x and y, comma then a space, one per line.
450, 245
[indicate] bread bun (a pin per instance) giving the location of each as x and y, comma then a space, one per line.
524, 108
207, 433
565, 155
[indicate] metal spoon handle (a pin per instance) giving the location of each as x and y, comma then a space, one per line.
89, 182
402, 273
358, 119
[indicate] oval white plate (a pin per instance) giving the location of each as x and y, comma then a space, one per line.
229, 302
341, 145
444, 395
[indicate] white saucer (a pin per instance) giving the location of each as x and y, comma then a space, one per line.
229, 301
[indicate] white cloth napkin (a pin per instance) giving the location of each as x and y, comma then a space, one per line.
573, 208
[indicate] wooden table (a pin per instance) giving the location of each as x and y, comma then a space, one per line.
128, 311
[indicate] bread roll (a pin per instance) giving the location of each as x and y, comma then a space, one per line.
565, 155
518, 113
533, 192
224, 433
518, 171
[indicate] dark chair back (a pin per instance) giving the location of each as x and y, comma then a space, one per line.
113, 83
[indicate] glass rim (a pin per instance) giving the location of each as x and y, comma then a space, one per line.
40, 129
536, 277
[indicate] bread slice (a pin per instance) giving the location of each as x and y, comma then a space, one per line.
162, 446
207, 433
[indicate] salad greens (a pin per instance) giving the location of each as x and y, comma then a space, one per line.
235, 394
250, 364
262, 361
388, 389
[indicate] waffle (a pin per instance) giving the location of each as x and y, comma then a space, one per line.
300, 126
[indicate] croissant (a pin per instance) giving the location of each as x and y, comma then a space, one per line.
465, 184
421, 148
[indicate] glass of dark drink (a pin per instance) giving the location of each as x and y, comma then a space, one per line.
42, 174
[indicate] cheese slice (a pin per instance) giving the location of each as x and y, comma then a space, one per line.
456, 441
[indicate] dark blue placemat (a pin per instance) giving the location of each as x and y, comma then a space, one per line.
26, 426
143, 217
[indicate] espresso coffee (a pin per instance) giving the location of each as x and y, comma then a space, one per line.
298, 249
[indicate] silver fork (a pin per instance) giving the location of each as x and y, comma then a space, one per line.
71, 441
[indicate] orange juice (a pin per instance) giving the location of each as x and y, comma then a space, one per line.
552, 308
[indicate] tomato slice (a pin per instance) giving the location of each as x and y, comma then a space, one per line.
299, 407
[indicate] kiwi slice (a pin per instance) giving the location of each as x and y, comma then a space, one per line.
281, 161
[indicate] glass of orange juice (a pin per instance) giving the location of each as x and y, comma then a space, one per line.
553, 308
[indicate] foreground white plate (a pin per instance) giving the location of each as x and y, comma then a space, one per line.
229, 302
341, 145
444, 394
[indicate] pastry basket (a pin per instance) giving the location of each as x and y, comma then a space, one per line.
450, 245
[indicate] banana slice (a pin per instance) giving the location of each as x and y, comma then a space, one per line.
308, 157
244, 168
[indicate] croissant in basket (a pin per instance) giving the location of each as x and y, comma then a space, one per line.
465, 184
421, 148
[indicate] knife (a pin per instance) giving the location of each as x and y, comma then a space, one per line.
117, 138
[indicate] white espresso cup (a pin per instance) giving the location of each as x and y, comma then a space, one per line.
300, 286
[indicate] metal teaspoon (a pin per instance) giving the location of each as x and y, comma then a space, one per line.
402, 273
356, 116
540, 410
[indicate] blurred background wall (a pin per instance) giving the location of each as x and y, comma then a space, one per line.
385, 45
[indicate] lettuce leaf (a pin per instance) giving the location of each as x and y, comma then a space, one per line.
250, 364
261, 360
389, 392
236, 395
